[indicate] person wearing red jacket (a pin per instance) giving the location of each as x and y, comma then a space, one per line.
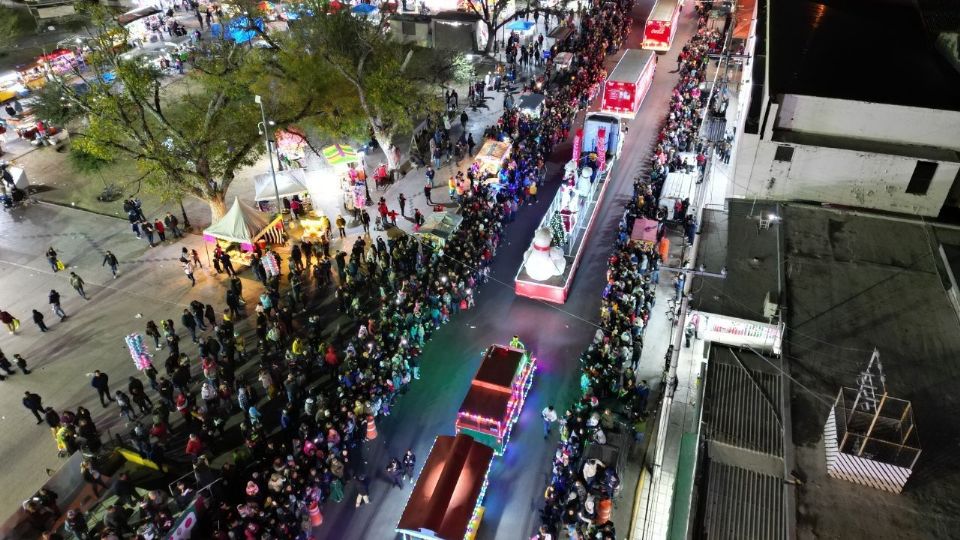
195, 446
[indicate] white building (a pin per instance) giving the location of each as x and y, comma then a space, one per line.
851, 106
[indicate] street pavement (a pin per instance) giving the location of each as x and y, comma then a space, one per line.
152, 284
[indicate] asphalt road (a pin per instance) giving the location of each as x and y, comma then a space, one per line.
556, 334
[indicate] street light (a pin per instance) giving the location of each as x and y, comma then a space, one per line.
263, 126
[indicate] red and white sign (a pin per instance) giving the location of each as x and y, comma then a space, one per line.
577, 145
602, 150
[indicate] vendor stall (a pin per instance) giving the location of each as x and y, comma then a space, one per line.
241, 228
563, 61
290, 183
491, 156
11, 86
291, 146
446, 502
440, 227
531, 104
142, 25
496, 396
645, 232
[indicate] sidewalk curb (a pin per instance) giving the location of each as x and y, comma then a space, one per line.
74, 207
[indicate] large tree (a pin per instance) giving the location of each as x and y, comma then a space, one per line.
386, 86
189, 136
494, 14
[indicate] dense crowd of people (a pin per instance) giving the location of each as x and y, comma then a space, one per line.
579, 494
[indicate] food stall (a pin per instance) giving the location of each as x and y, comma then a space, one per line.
241, 228
440, 227
11, 86
344, 161
141, 24
496, 396
491, 156
531, 104
645, 232
291, 182
447, 500
563, 61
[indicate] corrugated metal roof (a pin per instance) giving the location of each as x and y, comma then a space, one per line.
743, 505
742, 405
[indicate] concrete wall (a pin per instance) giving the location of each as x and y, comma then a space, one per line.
835, 176
870, 121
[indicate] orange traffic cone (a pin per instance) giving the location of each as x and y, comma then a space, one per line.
604, 509
316, 518
371, 428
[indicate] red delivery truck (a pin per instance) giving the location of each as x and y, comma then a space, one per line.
661, 26
625, 88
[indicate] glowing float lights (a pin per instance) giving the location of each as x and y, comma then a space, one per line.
495, 432
477, 516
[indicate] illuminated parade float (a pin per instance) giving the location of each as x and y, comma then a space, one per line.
496, 396
447, 500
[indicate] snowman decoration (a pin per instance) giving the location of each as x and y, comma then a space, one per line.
543, 260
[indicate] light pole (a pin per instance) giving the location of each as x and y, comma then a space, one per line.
266, 140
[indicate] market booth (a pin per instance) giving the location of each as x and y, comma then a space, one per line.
11, 86
290, 182
446, 502
491, 157
439, 227
645, 232
243, 227
496, 396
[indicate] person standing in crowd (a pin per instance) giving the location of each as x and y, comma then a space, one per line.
92, 476
77, 283
188, 270
52, 259
21, 363
109, 259
161, 231
402, 201
341, 226
549, 417
101, 382
54, 299
409, 463
173, 224
395, 473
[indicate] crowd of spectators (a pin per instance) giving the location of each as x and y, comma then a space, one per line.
578, 497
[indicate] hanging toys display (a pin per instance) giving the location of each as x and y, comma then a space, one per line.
141, 358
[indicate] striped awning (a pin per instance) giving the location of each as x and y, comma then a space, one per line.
337, 154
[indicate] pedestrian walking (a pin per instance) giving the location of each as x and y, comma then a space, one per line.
173, 224
78, 283
6, 365
161, 231
101, 382
21, 363
33, 403
111, 260
395, 473
188, 270
549, 417
54, 299
403, 204
470, 143
92, 476
210, 314
126, 406
190, 323
55, 263
147, 229
365, 221
196, 258
427, 189
409, 463
463, 120
38, 320
341, 225
363, 490
12, 323
139, 395
154, 332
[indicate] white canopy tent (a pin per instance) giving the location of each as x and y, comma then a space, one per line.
241, 224
289, 182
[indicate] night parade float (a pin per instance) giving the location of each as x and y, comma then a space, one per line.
447, 500
551, 262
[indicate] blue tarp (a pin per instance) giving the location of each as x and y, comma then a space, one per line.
238, 29
521, 25
363, 9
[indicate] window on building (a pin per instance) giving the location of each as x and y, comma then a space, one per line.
784, 153
922, 176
